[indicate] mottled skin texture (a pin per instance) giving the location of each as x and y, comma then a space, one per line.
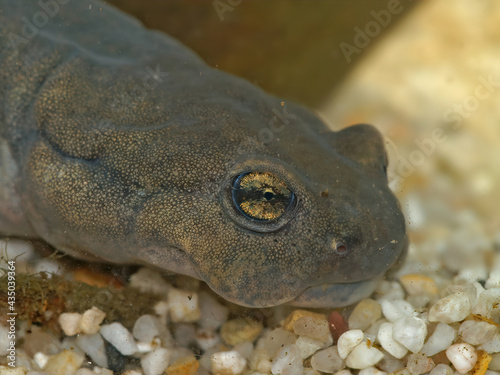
119, 143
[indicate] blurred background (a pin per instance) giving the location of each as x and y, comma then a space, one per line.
426, 74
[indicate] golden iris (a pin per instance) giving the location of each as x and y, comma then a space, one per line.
261, 195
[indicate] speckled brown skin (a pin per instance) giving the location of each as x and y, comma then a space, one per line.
119, 143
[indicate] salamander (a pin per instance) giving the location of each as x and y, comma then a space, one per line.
119, 143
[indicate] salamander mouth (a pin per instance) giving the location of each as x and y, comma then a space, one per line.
335, 295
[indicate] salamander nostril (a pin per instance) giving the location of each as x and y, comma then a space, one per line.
339, 247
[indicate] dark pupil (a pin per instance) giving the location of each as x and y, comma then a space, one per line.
261, 195
268, 195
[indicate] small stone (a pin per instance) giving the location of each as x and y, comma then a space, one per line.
390, 290
338, 325
49, 266
146, 328
366, 312
155, 362
296, 314
184, 306
132, 372
287, 361
476, 333
307, 371
184, 334
441, 339
441, 369
18, 249
183, 366
274, 340
118, 336
228, 363
327, 360
482, 363
418, 364
492, 346
4, 370
239, 330
313, 327
364, 355
147, 280
101, 371
93, 346
463, 356
70, 323
348, 341
410, 332
308, 346
371, 371
452, 308
41, 359
485, 304
396, 309
207, 338
66, 362
213, 314
161, 309
343, 372
372, 332
245, 349
416, 284
390, 364
91, 320
495, 362
388, 343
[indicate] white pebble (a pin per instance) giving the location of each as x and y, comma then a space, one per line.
70, 323
93, 346
213, 314
91, 320
366, 312
308, 346
410, 332
371, 371
452, 308
49, 266
147, 280
313, 327
228, 363
327, 360
390, 290
146, 347
101, 371
388, 343
245, 348
418, 364
463, 356
81, 371
207, 338
146, 328
348, 341
476, 333
118, 336
183, 306
272, 341
372, 332
41, 359
442, 337
396, 309
485, 302
18, 249
364, 356
441, 369
495, 362
343, 372
288, 361
161, 309
492, 346
155, 362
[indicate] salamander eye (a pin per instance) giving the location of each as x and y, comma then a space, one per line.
261, 196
